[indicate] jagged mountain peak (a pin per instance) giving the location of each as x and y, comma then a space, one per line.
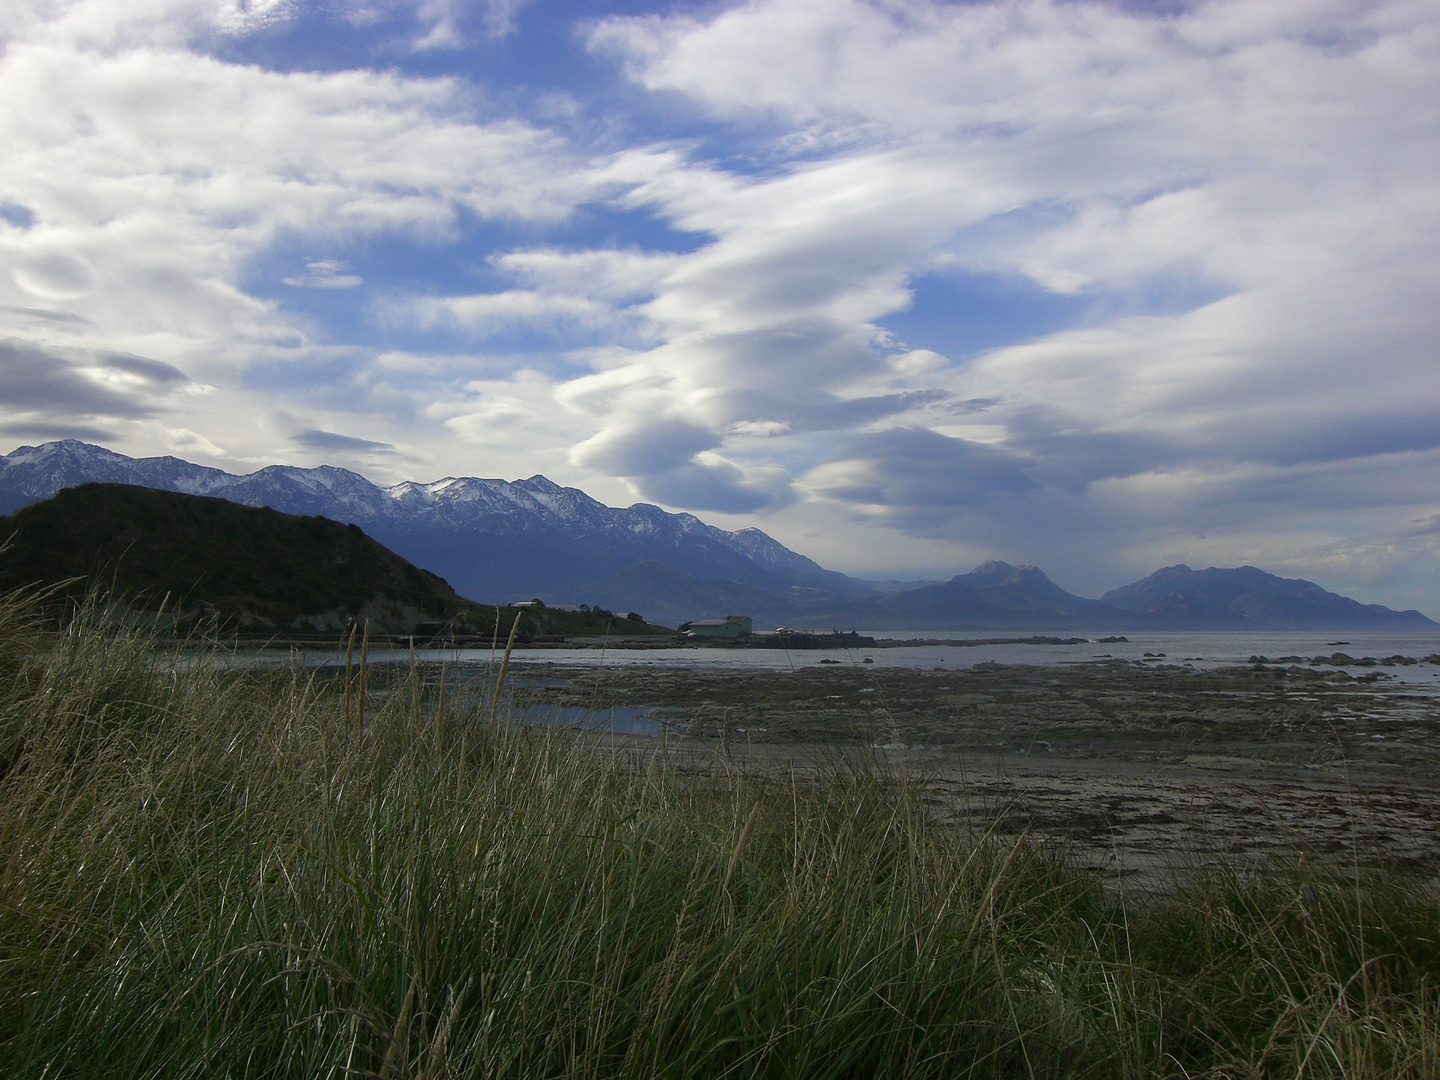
767, 551
64, 449
994, 566
454, 488
487, 536
541, 483
59, 446
995, 576
990, 572
330, 477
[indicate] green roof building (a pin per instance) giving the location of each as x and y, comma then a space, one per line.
728, 627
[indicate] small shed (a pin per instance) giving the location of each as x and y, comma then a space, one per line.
730, 626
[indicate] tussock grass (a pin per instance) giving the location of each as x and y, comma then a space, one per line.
209, 872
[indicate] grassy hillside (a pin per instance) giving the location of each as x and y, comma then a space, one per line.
252, 568
206, 872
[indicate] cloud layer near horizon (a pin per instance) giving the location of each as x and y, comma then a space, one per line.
917, 283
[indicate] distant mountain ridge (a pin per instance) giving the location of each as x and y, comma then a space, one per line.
499, 540
993, 596
1248, 598
493, 540
998, 596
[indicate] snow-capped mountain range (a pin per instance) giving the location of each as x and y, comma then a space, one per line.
499, 540
493, 540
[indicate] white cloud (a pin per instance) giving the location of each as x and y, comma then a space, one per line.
325, 274
619, 276
441, 24
55, 392
570, 289
1282, 158
1246, 195
491, 313
435, 23
52, 274
143, 181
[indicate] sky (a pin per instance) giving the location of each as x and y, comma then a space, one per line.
1096, 286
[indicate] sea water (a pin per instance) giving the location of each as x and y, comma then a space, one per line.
966, 649
1197, 650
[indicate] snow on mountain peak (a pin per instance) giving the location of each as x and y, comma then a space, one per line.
538, 483
63, 448
533, 506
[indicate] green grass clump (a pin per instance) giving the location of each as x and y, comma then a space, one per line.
206, 872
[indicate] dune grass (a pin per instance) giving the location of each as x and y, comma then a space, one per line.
208, 872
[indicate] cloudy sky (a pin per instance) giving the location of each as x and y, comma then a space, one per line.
1100, 286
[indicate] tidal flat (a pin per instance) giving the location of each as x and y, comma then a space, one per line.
1135, 769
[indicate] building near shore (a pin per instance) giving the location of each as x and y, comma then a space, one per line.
730, 626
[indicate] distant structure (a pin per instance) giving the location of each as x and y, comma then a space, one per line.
783, 637
732, 626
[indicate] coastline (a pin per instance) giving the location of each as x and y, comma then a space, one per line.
1135, 768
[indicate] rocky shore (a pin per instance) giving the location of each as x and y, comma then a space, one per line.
1135, 767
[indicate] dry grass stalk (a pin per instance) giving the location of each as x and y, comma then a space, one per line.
349, 661
364, 671
414, 690
440, 706
505, 664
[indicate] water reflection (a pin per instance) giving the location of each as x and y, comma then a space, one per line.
618, 720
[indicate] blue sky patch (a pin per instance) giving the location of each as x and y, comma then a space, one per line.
962, 315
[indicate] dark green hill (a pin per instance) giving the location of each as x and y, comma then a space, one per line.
255, 568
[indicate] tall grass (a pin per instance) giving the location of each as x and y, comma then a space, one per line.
207, 872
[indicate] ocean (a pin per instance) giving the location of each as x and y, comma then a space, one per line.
1195, 650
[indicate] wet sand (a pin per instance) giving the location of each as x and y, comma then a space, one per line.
1137, 768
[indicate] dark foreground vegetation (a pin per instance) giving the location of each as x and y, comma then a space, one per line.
210, 872
186, 562
205, 560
